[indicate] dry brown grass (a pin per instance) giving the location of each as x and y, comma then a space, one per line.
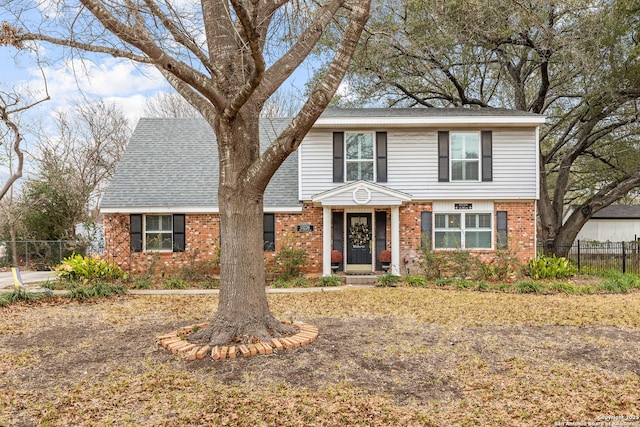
384, 357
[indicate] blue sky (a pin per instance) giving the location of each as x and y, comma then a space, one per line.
70, 81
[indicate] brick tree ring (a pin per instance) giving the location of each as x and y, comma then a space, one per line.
176, 343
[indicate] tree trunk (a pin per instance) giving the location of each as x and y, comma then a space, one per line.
243, 311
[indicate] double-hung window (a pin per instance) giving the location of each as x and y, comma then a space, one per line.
154, 232
158, 232
465, 156
462, 230
360, 157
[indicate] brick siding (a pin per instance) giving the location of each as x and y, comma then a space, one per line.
203, 231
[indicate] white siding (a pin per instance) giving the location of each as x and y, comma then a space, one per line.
413, 166
610, 230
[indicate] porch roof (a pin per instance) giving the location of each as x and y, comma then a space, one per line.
361, 193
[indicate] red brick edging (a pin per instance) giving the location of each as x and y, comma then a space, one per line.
176, 343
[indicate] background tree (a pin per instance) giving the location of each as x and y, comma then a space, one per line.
226, 58
85, 145
577, 62
169, 104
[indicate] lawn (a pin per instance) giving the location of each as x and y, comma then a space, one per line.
384, 356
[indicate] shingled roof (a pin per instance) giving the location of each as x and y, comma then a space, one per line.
172, 164
618, 212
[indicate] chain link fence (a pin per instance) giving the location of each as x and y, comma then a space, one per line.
42, 254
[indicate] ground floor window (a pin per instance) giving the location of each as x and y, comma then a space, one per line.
463, 230
158, 232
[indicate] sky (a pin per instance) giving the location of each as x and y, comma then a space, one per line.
71, 81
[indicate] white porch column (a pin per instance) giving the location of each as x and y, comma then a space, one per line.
395, 240
326, 241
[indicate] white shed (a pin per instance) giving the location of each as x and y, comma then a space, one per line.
615, 223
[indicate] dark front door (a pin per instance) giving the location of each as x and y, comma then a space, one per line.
359, 239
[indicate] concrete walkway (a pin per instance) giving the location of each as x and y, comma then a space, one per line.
36, 280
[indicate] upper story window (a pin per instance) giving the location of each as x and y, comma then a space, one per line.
359, 155
465, 156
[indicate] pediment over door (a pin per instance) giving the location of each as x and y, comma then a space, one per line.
361, 193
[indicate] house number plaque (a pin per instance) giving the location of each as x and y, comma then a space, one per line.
305, 227
463, 206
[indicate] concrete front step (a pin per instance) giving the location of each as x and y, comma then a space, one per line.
358, 279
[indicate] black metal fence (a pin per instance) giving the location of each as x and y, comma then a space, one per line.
596, 257
40, 254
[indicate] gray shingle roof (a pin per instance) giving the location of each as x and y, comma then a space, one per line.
172, 163
618, 212
424, 112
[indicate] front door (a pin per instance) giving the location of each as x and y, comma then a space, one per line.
359, 234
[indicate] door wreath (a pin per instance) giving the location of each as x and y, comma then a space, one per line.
359, 234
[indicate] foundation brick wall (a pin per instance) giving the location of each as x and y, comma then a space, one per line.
202, 234
203, 231
287, 234
202, 240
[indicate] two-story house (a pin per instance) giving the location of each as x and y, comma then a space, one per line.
363, 180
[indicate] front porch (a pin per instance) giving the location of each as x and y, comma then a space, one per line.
360, 220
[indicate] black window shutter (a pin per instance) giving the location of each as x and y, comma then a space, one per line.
338, 157
381, 236
487, 155
443, 156
381, 156
337, 233
503, 231
269, 233
425, 229
178, 233
135, 232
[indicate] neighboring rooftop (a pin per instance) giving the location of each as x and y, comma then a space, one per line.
618, 212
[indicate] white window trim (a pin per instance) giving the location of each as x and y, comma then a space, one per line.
463, 230
451, 159
144, 233
373, 160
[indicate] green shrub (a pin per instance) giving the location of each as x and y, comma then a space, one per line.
618, 282
96, 290
199, 270
416, 281
388, 279
333, 280
141, 283
298, 282
78, 267
288, 262
530, 287
433, 263
211, 284
175, 284
551, 267
566, 288
17, 295
502, 267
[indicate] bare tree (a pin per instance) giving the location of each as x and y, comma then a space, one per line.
226, 58
11, 136
88, 143
169, 104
